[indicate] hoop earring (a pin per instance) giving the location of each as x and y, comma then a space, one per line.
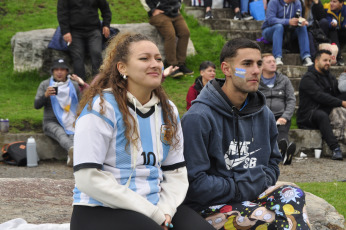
124, 77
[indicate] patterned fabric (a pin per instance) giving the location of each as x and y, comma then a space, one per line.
278, 207
338, 122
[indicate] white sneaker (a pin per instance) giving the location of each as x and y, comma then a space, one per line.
278, 61
307, 62
70, 157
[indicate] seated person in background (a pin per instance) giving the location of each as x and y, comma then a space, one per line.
129, 166
166, 17
336, 13
244, 8
280, 99
280, 15
235, 4
314, 13
318, 95
231, 151
207, 73
59, 96
207, 5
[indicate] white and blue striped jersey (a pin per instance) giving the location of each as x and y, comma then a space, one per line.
100, 143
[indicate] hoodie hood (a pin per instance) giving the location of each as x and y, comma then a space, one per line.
213, 96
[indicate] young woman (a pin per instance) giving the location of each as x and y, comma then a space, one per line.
128, 159
207, 73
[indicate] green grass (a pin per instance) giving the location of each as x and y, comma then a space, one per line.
17, 90
332, 192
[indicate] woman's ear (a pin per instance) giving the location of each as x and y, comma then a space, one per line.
121, 68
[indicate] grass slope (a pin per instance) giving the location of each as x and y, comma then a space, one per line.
17, 90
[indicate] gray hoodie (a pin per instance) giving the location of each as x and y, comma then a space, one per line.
280, 99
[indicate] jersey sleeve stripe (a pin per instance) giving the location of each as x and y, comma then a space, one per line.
174, 166
102, 117
86, 165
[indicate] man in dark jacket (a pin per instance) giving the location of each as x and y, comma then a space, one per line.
318, 95
165, 16
230, 146
279, 93
80, 27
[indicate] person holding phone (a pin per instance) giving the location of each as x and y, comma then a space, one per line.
59, 96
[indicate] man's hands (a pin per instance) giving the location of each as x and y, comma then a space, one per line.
68, 38
343, 104
295, 21
281, 121
105, 31
157, 12
50, 92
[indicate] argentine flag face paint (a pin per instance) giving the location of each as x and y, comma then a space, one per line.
240, 72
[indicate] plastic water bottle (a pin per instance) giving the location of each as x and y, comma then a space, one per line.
31, 153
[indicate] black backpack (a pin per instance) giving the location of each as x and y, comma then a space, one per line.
14, 153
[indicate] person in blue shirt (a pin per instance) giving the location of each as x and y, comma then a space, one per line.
280, 16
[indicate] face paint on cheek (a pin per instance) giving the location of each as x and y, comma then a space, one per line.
240, 72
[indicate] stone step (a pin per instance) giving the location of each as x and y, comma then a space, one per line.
231, 34
230, 24
199, 12
297, 71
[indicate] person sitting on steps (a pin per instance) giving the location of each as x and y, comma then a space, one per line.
280, 99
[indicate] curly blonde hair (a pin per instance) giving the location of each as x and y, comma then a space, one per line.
110, 77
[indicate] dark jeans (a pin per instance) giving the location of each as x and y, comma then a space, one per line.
208, 3
85, 218
82, 42
320, 120
324, 25
170, 28
283, 130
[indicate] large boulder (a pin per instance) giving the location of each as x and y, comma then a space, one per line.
41, 200
30, 49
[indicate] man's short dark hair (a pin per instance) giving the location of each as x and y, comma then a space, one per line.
231, 47
341, 1
320, 52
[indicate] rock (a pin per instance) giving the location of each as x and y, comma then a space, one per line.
44, 200
30, 49
322, 215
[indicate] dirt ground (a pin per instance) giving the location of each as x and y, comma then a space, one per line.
301, 170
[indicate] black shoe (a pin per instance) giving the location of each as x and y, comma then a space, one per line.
283, 148
291, 149
237, 16
208, 15
185, 70
177, 73
246, 16
337, 154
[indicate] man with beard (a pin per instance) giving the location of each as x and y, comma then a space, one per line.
318, 95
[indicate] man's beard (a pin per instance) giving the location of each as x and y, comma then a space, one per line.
324, 70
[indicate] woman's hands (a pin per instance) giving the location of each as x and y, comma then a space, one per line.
167, 224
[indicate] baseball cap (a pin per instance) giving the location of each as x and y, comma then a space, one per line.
59, 63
